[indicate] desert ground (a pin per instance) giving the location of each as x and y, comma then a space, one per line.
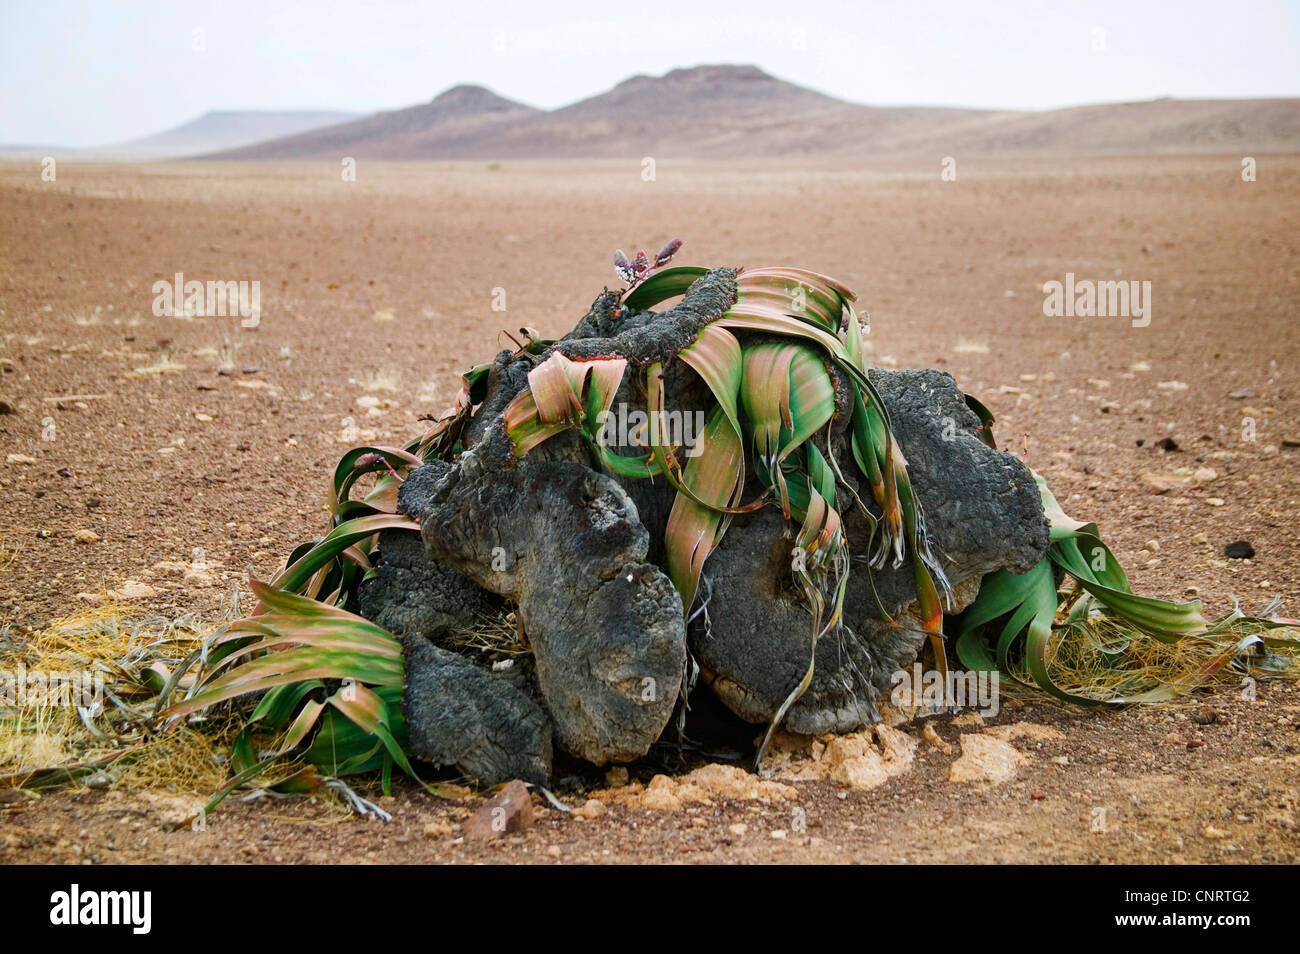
206, 446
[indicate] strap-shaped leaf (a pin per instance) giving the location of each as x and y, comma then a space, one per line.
562, 393
697, 521
364, 460
293, 577
662, 285
715, 356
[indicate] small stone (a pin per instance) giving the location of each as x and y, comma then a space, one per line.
1159, 483
1212, 832
204, 418
6, 407
86, 536
554, 851
1242, 394
589, 809
738, 828
509, 810
1215, 501
1167, 444
779, 833
133, 590
1153, 546
616, 777
1171, 385
1239, 550
1033, 731
985, 759
19, 459
660, 795
439, 829
932, 736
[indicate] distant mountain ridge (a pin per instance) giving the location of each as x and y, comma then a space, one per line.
740, 111
224, 129
448, 126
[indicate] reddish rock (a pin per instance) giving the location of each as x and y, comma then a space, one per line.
509, 810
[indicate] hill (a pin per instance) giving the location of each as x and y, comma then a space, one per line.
221, 130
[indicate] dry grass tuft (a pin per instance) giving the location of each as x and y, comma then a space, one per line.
164, 365
111, 652
7, 554
1100, 660
192, 761
500, 635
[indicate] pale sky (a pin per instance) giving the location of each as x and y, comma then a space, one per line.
92, 73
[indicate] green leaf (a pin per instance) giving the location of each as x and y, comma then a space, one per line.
807, 296
696, 523
765, 398
715, 355
812, 399
662, 285
787, 396
293, 577
347, 471
562, 393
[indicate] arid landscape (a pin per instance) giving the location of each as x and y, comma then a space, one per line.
159, 460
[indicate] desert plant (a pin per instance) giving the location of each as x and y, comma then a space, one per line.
774, 363
771, 362
1079, 594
